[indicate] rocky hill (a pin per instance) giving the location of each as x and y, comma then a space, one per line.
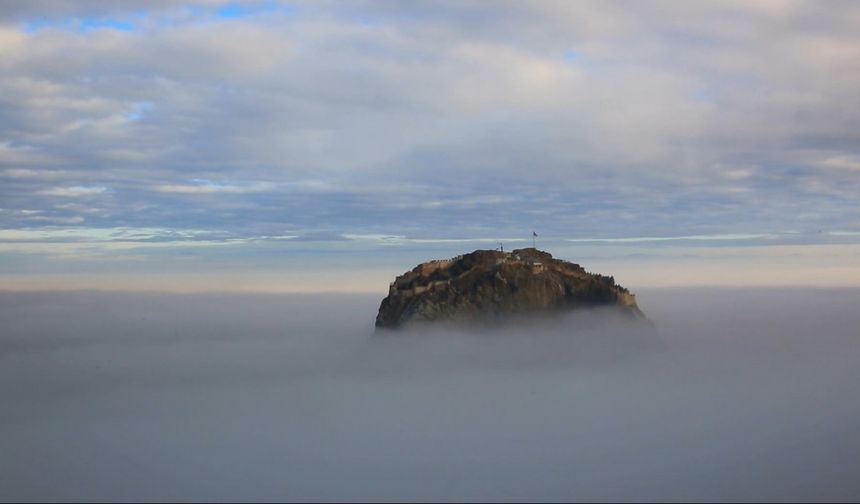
488, 286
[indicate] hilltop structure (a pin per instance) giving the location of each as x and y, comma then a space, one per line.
491, 286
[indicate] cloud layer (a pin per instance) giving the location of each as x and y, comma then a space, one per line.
441, 120
214, 397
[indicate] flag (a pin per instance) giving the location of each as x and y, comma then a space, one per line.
534, 234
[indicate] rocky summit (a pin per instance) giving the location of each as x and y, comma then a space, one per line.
489, 286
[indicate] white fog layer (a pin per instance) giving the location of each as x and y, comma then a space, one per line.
751, 395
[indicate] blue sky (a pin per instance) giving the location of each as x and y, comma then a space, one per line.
680, 143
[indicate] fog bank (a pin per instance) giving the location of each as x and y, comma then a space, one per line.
751, 395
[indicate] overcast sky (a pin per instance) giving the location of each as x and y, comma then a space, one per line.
248, 138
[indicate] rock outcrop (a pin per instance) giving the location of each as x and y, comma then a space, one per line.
488, 286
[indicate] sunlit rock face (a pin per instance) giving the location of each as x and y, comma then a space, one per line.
490, 287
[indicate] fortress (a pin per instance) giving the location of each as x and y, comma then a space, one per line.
488, 284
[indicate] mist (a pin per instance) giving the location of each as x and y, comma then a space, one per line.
731, 394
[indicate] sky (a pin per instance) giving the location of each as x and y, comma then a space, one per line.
327, 146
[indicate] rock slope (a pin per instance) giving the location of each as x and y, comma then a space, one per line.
488, 286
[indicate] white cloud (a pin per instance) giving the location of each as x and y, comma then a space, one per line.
212, 187
405, 120
851, 163
57, 220
641, 239
402, 240
738, 174
74, 191
21, 173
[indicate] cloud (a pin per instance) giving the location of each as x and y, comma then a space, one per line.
57, 220
58, 9
841, 163
437, 121
206, 187
74, 192
401, 240
23, 173
640, 239
156, 397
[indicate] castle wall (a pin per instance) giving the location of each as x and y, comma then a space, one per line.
627, 299
428, 268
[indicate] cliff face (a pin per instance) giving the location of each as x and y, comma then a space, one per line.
488, 286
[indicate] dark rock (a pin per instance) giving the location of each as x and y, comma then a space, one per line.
488, 287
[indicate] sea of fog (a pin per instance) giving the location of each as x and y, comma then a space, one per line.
750, 395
